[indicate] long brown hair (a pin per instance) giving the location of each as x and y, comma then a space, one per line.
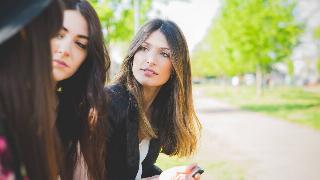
173, 120
82, 93
27, 94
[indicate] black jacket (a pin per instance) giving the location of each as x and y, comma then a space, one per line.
123, 143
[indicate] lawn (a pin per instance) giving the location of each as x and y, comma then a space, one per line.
293, 104
221, 170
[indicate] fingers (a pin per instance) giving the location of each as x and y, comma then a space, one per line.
187, 169
182, 177
190, 168
197, 176
187, 177
181, 173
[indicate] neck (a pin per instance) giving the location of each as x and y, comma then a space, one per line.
149, 94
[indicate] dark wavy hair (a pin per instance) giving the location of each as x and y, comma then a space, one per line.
81, 94
27, 97
173, 118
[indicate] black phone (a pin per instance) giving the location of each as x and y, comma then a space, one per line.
197, 170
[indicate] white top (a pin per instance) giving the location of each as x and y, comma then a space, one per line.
143, 151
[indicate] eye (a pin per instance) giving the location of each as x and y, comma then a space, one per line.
164, 54
143, 48
59, 35
82, 46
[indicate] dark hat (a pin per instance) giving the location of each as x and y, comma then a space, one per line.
15, 14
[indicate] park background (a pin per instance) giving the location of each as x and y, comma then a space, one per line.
256, 80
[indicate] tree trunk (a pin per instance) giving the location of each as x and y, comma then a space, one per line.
258, 81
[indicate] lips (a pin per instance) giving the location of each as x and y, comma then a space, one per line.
60, 63
149, 71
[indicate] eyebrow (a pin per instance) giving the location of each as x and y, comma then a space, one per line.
79, 35
162, 48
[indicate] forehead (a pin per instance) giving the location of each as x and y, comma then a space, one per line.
75, 22
157, 39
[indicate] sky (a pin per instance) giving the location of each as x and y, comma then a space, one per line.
194, 17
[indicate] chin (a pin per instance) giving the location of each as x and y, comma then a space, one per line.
151, 84
58, 77
148, 82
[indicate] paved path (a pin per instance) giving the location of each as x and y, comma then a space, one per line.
267, 148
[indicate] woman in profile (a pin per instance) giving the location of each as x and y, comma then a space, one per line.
151, 109
29, 146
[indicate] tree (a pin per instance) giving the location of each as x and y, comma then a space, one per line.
202, 65
316, 35
250, 35
117, 17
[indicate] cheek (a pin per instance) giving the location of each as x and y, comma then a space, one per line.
53, 46
136, 64
78, 58
166, 70
137, 59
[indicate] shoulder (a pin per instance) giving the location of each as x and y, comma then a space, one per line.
116, 91
117, 104
117, 95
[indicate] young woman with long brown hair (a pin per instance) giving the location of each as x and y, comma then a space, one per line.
29, 145
150, 107
80, 68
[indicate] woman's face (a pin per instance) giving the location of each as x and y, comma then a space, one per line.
69, 47
152, 62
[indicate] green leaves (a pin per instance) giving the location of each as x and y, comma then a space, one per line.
250, 33
117, 17
316, 33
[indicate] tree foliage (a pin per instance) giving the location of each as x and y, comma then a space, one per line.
248, 35
117, 17
316, 33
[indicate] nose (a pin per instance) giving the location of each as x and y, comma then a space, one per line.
151, 58
63, 48
63, 52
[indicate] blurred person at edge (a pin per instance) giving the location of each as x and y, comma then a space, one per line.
29, 143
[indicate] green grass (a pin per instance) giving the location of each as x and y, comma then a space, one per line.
289, 103
221, 170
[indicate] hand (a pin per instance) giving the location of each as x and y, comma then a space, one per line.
156, 177
179, 173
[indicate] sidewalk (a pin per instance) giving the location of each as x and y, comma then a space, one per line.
267, 148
